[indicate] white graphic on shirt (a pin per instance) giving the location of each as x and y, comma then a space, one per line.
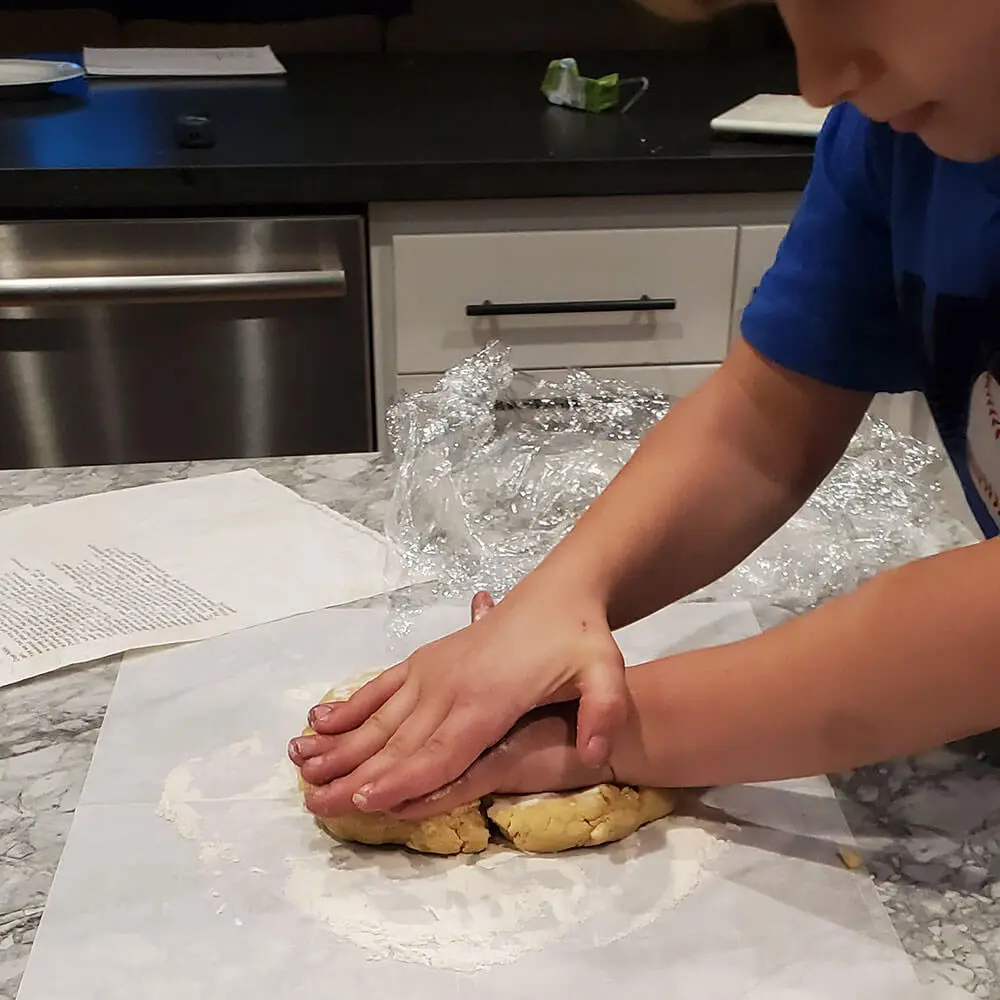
983, 441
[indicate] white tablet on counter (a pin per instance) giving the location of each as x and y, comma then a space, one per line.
772, 114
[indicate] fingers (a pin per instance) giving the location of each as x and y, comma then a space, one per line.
341, 755
343, 716
303, 747
414, 729
603, 709
482, 778
414, 770
329, 800
481, 604
537, 755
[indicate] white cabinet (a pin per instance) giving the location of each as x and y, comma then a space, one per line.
909, 414
587, 297
431, 262
567, 283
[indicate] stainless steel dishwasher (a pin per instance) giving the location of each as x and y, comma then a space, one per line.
177, 339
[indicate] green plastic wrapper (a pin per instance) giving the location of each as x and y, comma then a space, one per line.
565, 86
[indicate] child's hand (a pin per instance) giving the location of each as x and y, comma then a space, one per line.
538, 755
425, 723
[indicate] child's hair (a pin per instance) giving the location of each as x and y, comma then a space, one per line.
689, 10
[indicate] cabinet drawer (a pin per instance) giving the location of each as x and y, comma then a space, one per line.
675, 380
437, 276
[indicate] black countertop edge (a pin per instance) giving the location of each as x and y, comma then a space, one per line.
207, 187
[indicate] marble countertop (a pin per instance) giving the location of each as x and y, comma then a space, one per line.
928, 826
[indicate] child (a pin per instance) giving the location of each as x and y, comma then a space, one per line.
888, 281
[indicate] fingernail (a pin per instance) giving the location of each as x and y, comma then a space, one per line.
360, 797
294, 752
320, 712
598, 750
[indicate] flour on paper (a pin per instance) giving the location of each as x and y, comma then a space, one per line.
468, 913
176, 798
461, 914
196, 781
176, 805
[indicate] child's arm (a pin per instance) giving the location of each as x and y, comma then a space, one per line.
724, 469
909, 661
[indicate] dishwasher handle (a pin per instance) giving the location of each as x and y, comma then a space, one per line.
159, 288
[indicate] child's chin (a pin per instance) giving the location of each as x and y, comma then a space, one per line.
963, 146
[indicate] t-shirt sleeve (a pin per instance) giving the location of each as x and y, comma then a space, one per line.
827, 307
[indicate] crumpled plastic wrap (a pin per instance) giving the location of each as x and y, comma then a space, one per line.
880, 507
493, 468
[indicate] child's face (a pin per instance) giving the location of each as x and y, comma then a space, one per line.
926, 66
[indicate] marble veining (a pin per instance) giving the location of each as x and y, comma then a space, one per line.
928, 826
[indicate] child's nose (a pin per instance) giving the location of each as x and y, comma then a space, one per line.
828, 77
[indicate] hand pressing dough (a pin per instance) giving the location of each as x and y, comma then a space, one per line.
461, 831
542, 824
536, 824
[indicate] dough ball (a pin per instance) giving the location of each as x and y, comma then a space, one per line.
461, 831
542, 824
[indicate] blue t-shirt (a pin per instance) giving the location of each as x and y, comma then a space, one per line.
889, 281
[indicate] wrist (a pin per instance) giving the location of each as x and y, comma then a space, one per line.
567, 585
646, 750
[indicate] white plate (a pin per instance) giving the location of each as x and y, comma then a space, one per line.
19, 76
773, 114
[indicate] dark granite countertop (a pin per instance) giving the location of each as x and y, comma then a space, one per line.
348, 130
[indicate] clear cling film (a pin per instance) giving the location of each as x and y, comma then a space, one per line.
492, 468
881, 506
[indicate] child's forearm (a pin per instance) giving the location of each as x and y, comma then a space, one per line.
727, 467
907, 662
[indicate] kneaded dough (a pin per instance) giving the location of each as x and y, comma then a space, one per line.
542, 824
535, 824
461, 831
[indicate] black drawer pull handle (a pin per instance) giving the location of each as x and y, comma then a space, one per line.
642, 304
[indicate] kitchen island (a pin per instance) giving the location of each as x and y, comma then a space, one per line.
928, 826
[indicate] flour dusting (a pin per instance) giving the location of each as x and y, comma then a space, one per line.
253, 747
183, 793
469, 913
462, 914
176, 798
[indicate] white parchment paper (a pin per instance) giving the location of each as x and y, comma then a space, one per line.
192, 870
